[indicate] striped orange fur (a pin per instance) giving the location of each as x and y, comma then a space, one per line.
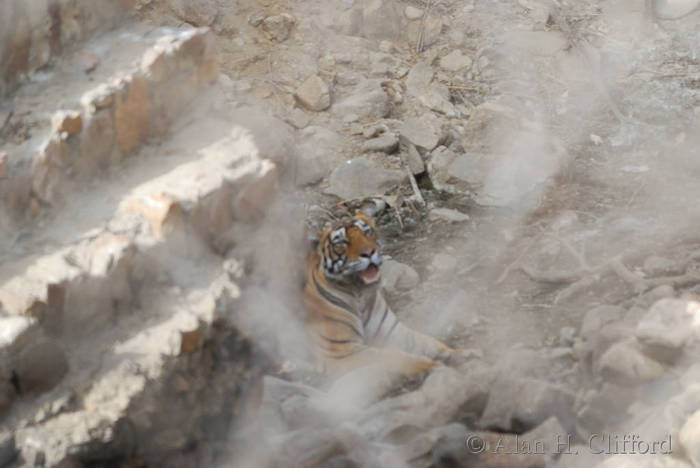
348, 318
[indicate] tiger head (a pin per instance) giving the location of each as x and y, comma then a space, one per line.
350, 252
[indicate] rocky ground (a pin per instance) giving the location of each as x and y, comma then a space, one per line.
537, 162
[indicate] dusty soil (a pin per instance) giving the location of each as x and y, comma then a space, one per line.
578, 123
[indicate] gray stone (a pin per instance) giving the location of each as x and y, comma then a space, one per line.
361, 178
375, 130
689, 437
455, 173
413, 159
667, 327
381, 19
398, 277
423, 132
455, 61
278, 27
624, 364
522, 404
434, 95
604, 406
366, 101
427, 31
311, 165
413, 13
196, 12
596, 318
314, 94
446, 214
387, 143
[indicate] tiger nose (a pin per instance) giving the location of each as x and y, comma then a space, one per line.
367, 252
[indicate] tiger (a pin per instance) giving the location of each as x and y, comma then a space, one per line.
349, 321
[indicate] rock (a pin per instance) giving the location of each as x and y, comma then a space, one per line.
375, 130
689, 438
97, 140
420, 85
14, 330
423, 132
278, 27
387, 143
667, 327
8, 450
455, 173
314, 94
367, 101
3, 164
70, 122
426, 31
623, 363
297, 118
361, 178
256, 18
602, 407
381, 19
196, 12
674, 9
596, 318
413, 159
311, 165
398, 277
252, 202
132, 114
413, 13
521, 404
40, 367
47, 171
455, 61
445, 214
660, 266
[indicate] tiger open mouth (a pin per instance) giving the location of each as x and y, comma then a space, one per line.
370, 274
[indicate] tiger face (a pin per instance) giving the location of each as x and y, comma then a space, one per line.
350, 251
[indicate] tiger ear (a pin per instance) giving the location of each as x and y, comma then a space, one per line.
372, 207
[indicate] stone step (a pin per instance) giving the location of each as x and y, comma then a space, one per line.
94, 108
87, 274
111, 398
34, 34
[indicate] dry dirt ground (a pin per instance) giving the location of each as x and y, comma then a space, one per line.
586, 196
539, 164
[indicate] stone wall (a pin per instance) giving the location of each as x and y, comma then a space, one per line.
33, 32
